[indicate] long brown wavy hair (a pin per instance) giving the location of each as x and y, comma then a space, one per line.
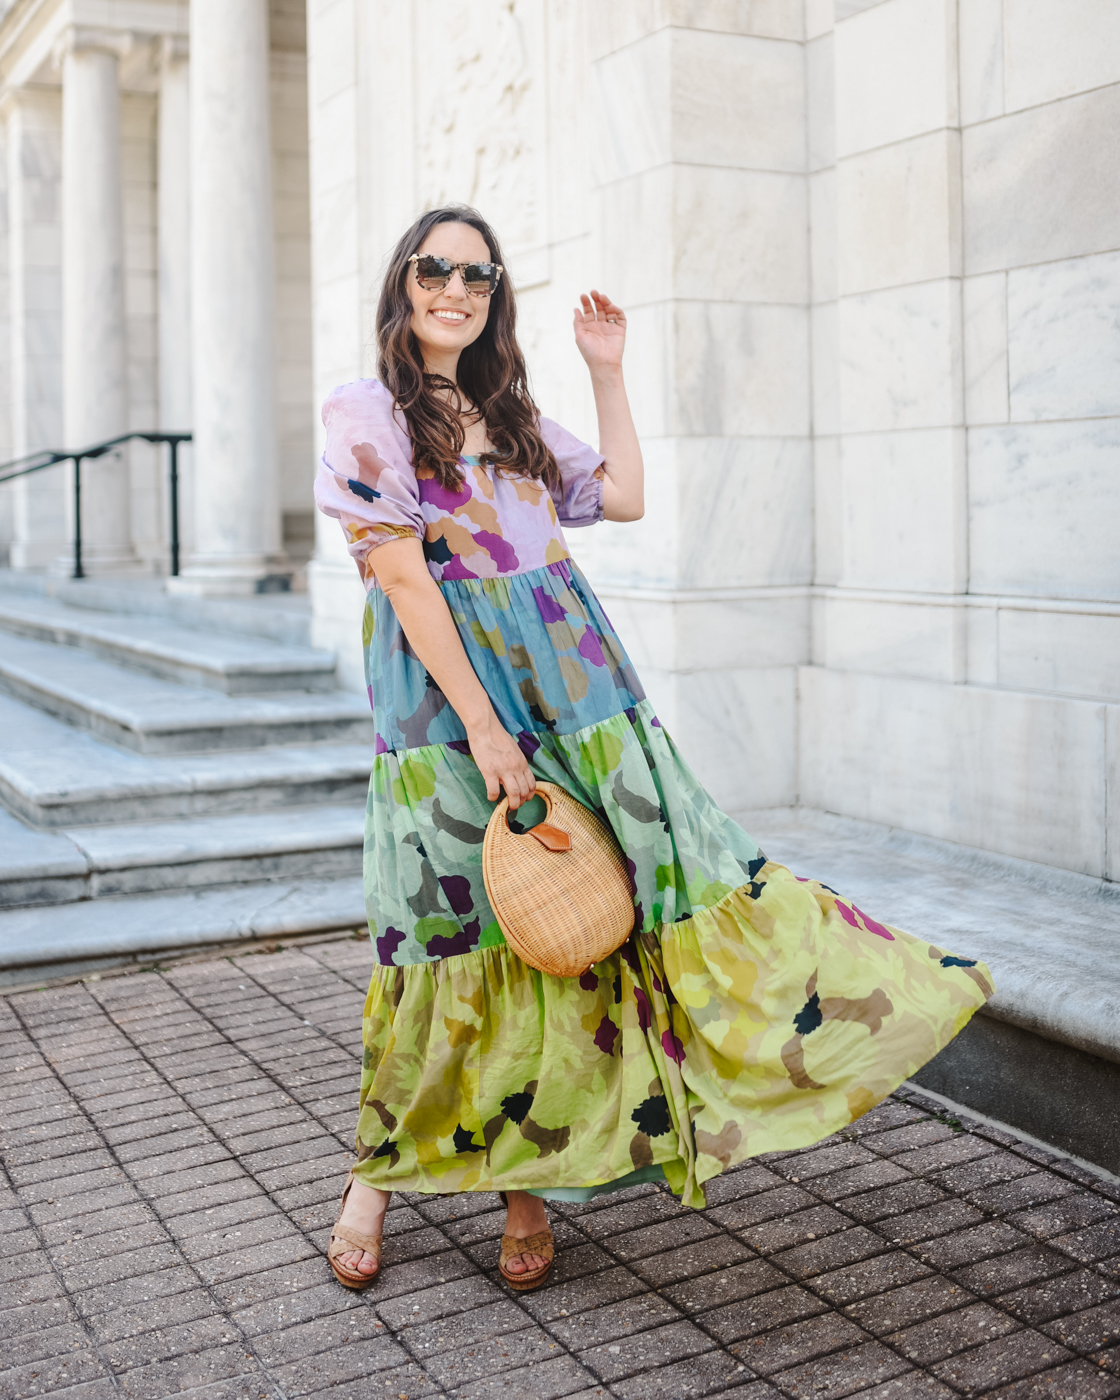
491, 372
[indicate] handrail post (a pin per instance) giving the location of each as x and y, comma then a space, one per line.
174, 445
78, 573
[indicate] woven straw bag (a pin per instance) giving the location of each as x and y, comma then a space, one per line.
561, 892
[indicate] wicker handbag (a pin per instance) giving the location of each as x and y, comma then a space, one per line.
561, 892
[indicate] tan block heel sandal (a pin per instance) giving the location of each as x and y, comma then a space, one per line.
346, 1243
543, 1244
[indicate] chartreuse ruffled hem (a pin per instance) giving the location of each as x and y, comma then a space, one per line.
762, 1023
750, 1011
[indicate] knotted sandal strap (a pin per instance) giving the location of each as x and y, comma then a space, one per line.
346, 1242
543, 1244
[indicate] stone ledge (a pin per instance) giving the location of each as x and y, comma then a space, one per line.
37, 944
1045, 933
170, 651
281, 617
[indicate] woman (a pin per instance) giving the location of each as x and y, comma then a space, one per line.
750, 1011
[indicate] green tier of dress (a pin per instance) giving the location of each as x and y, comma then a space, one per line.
751, 1011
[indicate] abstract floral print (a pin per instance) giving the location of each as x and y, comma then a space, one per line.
750, 1010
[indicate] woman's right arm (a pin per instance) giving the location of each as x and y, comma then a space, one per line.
402, 572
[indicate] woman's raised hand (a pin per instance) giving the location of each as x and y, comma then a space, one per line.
600, 328
501, 763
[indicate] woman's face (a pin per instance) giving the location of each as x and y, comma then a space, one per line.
446, 322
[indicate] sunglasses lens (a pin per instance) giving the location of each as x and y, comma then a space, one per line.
479, 278
432, 273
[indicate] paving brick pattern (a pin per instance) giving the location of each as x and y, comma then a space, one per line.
173, 1146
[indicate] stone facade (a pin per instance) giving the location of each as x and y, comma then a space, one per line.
104, 325
870, 252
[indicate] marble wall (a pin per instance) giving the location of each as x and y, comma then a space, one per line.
966, 621
661, 159
869, 252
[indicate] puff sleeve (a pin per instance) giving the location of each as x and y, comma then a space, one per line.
579, 501
365, 478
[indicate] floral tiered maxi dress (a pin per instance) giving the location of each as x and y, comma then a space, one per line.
750, 1011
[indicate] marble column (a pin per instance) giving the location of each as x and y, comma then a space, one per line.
173, 194
34, 152
95, 382
237, 537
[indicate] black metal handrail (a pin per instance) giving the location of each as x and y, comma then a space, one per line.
52, 459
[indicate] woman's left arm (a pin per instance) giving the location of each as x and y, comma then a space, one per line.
600, 328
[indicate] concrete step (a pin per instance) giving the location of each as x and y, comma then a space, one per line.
280, 617
55, 776
158, 647
144, 857
37, 944
154, 716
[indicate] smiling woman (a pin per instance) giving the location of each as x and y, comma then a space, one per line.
750, 1010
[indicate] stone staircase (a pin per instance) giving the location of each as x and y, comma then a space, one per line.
169, 786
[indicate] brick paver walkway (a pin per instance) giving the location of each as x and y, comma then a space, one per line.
173, 1147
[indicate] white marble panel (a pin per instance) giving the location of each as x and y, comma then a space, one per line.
820, 98
650, 367
984, 308
886, 638
740, 371
1019, 774
895, 77
898, 214
828, 517
704, 233
337, 602
737, 731
568, 77
632, 118
845, 9
983, 645
737, 235
337, 321
1041, 185
900, 360
818, 18
1054, 48
1063, 331
646, 552
1044, 501
334, 141
621, 22
480, 113
822, 234
708, 632
745, 507
981, 60
720, 513
1060, 652
903, 512
335, 230
332, 50
636, 220
1112, 779
826, 368
737, 101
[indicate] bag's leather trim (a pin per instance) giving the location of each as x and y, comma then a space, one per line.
550, 837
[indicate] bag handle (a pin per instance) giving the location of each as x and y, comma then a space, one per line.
552, 838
